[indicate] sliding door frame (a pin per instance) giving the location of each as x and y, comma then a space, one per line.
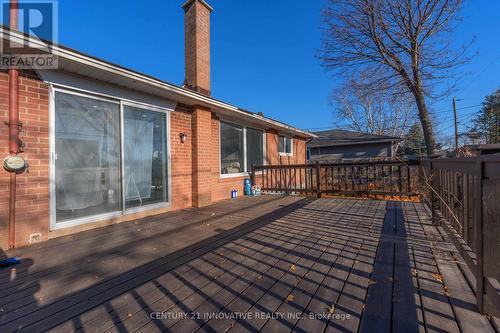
145, 107
53, 224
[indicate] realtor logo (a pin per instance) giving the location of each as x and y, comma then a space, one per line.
31, 45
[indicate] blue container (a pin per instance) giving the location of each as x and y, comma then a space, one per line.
9, 262
247, 186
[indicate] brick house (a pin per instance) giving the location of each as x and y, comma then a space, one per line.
106, 144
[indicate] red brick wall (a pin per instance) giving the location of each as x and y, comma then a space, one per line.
181, 157
201, 163
273, 157
32, 204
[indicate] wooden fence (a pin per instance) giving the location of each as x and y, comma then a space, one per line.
352, 179
464, 195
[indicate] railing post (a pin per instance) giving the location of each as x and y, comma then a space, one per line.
318, 180
430, 181
478, 234
434, 183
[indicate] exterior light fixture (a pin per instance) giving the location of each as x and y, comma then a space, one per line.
183, 137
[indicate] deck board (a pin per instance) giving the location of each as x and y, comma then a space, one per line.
271, 264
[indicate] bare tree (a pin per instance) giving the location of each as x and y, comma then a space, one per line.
404, 43
376, 111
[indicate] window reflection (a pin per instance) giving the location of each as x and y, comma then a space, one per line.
231, 148
87, 166
145, 159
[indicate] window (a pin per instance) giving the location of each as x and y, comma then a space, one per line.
284, 145
236, 156
232, 154
255, 152
93, 175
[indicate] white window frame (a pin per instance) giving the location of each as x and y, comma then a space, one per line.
291, 145
54, 225
244, 127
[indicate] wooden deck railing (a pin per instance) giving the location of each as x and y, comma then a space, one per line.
464, 195
347, 178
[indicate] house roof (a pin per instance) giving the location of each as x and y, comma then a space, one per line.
81, 64
340, 137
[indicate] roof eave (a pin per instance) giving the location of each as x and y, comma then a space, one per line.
184, 95
351, 143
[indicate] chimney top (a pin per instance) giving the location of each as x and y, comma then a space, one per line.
197, 45
188, 3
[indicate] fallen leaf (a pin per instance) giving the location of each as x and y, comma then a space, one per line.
446, 291
293, 268
331, 309
438, 277
290, 298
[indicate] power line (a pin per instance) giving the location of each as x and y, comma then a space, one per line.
481, 72
469, 107
444, 116
442, 130
462, 108
446, 113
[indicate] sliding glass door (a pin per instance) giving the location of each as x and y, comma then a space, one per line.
87, 156
145, 159
107, 159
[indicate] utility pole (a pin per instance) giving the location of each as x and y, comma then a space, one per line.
456, 125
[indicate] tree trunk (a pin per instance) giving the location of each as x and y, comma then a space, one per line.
423, 114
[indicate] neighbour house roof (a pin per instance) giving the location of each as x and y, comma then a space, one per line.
485, 149
340, 137
83, 65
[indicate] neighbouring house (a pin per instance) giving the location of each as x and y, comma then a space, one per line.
340, 145
106, 144
480, 149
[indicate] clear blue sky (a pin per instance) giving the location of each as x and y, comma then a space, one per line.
263, 51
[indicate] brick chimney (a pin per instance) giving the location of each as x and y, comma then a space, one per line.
197, 44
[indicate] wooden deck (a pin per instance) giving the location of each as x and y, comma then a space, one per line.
274, 264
